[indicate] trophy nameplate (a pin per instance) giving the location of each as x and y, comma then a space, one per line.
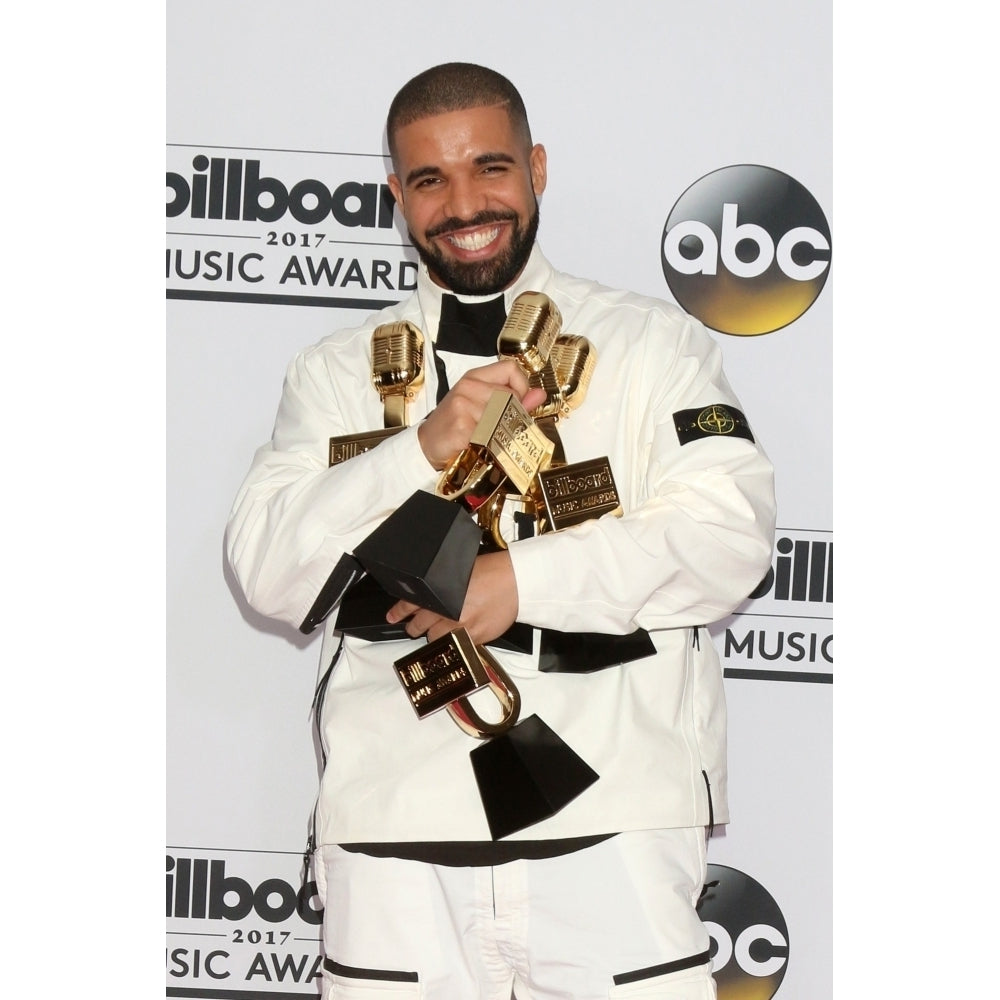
507, 431
441, 672
348, 445
397, 351
445, 672
573, 493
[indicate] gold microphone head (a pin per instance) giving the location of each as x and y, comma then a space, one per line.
397, 359
573, 360
530, 331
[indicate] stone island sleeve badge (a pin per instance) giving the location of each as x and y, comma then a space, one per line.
717, 420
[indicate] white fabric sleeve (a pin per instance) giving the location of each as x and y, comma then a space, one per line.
698, 525
294, 516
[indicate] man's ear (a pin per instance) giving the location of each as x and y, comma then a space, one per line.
396, 188
537, 161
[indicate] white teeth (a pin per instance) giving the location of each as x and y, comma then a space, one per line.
474, 241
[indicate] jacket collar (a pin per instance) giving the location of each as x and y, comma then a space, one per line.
533, 278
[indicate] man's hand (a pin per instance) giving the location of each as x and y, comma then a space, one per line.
490, 604
447, 429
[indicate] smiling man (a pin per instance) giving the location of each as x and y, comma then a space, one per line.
597, 898
468, 190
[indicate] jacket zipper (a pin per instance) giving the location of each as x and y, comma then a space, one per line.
317, 710
711, 811
696, 644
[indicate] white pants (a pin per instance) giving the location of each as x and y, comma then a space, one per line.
610, 921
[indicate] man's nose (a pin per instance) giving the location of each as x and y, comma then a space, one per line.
466, 198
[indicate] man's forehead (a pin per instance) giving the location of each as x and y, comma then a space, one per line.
491, 124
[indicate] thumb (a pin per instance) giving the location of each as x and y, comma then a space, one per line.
532, 398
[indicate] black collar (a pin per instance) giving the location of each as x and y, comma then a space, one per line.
470, 327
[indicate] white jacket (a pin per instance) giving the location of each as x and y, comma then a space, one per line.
694, 540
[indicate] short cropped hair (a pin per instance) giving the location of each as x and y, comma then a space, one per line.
454, 87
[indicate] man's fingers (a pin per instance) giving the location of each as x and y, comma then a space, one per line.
442, 627
504, 374
419, 621
399, 611
533, 397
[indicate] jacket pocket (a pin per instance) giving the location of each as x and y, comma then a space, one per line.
687, 979
342, 982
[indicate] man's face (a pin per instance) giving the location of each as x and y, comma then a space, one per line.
467, 186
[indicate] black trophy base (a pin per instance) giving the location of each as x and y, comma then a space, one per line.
423, 553
362, 613
526, 775
346, 573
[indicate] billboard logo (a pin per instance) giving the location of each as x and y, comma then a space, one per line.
746, 249
200, 888
233, 189
288, 227
749, 937
771, 637
802, 571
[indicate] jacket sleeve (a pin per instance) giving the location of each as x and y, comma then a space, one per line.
698, 525
294, 515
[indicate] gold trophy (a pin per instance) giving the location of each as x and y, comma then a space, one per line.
397, 375
529, 338
446, 671
524, 770
505, 447
505, 444
515, 463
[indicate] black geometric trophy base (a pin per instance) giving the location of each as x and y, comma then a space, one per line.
423, 553
526, 775
342, 577
362, 613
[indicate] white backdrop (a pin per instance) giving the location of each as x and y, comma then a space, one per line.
633, 105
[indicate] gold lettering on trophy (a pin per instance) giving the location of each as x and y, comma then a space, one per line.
414, 672
570, 494
565, 507
566, 485
342, 451
347, 446
512, 437
439, 674
599, 499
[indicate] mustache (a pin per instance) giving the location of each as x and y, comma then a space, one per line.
484, 218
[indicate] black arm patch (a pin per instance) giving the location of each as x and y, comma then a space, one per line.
707, 421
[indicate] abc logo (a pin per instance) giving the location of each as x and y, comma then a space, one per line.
746, 250
749, 945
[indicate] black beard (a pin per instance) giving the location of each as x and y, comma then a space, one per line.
486, 277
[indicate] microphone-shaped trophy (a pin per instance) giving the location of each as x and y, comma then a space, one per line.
525, 772
425, 550
397, 374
